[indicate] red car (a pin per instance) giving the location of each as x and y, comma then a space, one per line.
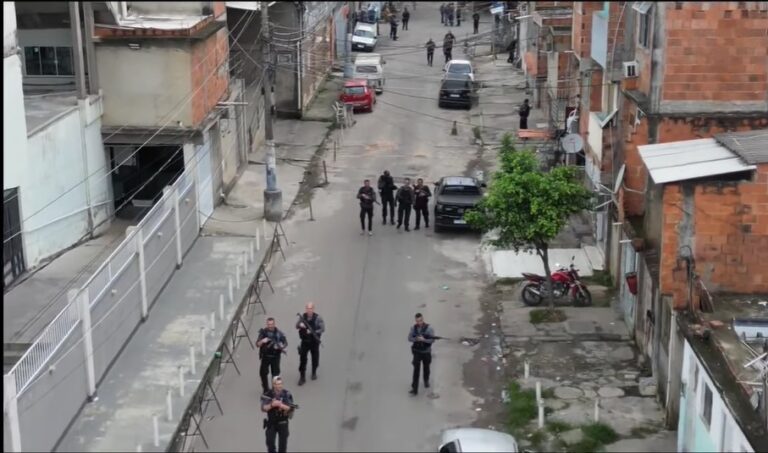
358, 94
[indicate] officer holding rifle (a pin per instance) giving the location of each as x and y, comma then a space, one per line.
272, 343
279, 407
311, 327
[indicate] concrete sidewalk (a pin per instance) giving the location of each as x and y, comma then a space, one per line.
136, 387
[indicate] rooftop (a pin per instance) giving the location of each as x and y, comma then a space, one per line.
726, 355
752, 146
690, 159
42, 109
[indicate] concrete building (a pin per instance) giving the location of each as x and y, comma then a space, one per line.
57, 190
722, 398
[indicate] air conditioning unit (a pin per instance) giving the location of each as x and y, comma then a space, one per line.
630, 69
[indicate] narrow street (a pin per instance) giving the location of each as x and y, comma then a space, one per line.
369, 288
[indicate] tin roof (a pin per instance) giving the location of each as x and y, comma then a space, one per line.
690, 159
752, 146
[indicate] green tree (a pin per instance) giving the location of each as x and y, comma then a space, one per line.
526, 207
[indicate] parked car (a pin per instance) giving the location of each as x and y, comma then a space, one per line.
476, 440
357, 93
454, 195
455, 90
369, 67
460, 67
364, 37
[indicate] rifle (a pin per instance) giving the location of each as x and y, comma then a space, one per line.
309, 329
291, 405
269, 340
434, 337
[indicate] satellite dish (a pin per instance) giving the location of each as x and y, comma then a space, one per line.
572, 143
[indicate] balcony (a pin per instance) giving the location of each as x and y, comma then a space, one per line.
599, 48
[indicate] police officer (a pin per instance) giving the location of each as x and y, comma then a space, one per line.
476, 21
393, 27
421, 337
278, 405
271, 342
367, 198
311, 327
406, 18
448, 46
387, 188
404, 199
422, 194
430, 51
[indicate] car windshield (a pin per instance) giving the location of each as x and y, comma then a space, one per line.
366, 69
456, 85
363, 33
356, 91
460, 68
461, 190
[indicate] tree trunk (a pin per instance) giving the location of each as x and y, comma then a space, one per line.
544, 254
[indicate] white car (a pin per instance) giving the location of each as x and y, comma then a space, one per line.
476, 440
364, 37
460, 67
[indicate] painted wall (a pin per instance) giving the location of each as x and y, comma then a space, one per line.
14, 124
693, 435
60, 157
148, 99
47, 37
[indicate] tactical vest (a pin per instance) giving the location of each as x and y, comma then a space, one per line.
420, 346
312, 323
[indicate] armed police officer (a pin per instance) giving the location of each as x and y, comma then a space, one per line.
421, 203
367, 198
311, 327
272, 343
278, 405
387, 188
421, 337
404, 199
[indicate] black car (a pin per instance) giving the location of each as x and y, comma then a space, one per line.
455, 90
454, 195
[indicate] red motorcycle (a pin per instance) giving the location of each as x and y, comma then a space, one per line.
565, 283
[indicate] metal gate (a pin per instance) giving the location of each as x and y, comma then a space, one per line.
13, 253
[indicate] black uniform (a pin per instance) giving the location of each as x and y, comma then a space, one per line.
458, 17
310, 343
367, 197
420, 204
269, 353
404, 203
387, 188
393, 28
406, 18
430, 51
448, 46
422, 353
276, 423
525, 110
476, 21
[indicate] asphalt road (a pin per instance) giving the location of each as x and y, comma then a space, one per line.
368, 288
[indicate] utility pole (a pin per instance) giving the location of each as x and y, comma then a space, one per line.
273, 197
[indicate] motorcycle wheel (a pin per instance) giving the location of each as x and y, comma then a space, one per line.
582, 298
530, 298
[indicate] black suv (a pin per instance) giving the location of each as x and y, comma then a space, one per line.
455, 90
453, 196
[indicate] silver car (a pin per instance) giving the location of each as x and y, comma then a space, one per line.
476, 440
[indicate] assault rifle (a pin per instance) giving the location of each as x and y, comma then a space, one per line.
291, 405
309, 329
269, 344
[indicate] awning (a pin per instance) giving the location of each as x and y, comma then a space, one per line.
642, 7
249, 6
690, 159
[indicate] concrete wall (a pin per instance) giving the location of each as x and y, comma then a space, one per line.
284, 14
10, 40
167, 8
15, 124
50, 37
723, 433
58, 158
145, 97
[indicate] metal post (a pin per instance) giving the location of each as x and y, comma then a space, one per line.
202, 341
251, 255
177, 222
84, 304
258, 240
541, 414
181, 381
325, 172
273, 197
538, 390
221, 307
169, 404
213, 321
156, 429
527, 369
142, 274
230, 289
11, 410
311, 214
77, 49
90, 49
192, 368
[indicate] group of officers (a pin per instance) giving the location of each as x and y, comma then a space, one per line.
277, 402
406, 197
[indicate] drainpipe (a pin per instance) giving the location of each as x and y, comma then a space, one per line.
672, 337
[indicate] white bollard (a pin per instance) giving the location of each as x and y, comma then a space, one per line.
237, 276
221, 307
526, 369
251, 255
156, 428
202, 341
258, 240
597, 410
230, 290
181, 381
192, 368
169, 405
541, 414
538, 390
264, 227
213, 321
245, 263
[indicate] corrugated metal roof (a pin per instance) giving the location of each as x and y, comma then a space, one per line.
752, 146
690, 159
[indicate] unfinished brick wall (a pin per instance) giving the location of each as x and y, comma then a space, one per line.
730, 237
219, 8
716, 51
211, 78
582, 27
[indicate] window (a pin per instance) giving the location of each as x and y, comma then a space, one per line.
450, 447
48, 61
644, 23
367, 69
459, 68
461, 190
354, 91
706, 408
364, 33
